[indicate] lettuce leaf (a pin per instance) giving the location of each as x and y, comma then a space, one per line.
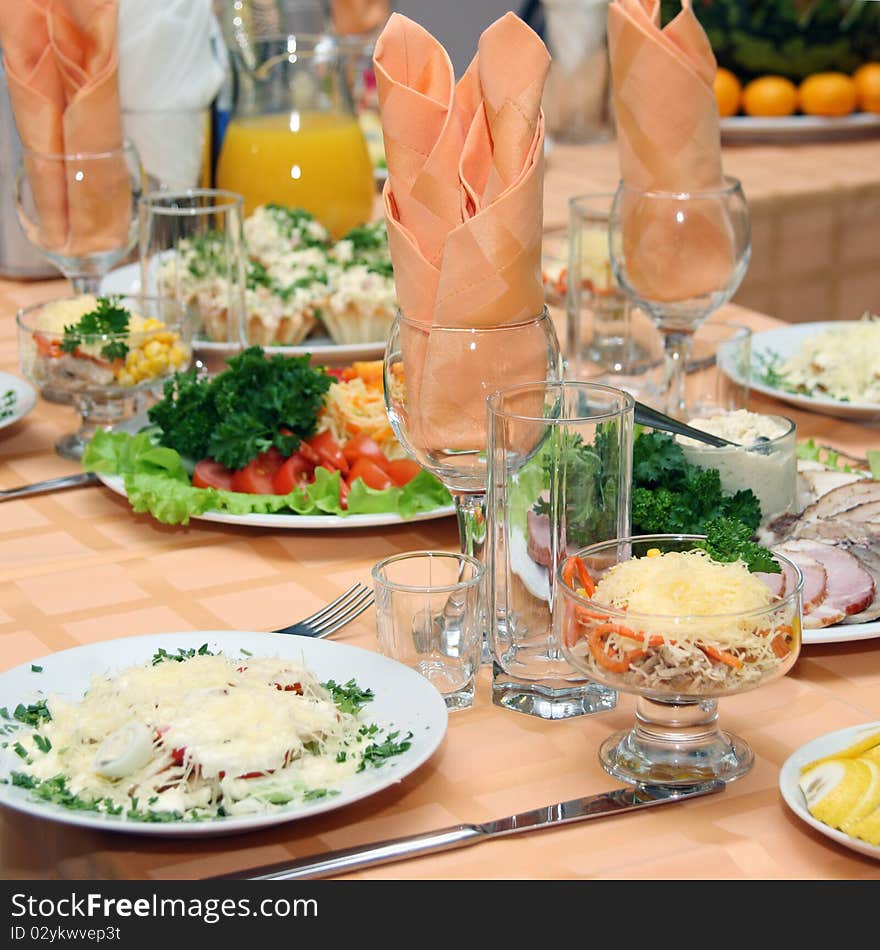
157, 483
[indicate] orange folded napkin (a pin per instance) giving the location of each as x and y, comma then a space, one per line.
464, 211
668, 140
61, 66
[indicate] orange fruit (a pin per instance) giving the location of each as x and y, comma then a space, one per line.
728, 92
770, 96
828, 94
867, 80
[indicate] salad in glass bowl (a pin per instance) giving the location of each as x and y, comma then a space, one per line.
100, 352
663, 617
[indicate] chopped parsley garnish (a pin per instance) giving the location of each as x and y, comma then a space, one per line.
33, 714
35, 668
20, 750
7, 403
162, 654
377, 752
349, 698
108, 318
42, 743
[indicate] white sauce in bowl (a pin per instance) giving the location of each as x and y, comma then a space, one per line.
764, 458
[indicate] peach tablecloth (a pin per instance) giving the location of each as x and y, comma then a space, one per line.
77, 567
815, 217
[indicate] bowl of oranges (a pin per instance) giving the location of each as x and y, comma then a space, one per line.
822, 105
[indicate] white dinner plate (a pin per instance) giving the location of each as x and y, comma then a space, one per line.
404, 701
817, 749
798, 128
842, 633
25, 398
300, 522
784, 342
127, 280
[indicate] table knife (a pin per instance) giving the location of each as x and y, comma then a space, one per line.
615, 802
51, 484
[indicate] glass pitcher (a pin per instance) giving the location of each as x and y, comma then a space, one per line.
294, 138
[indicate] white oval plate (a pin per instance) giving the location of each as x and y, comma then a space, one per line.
127, 280
25, 398
303, 522
798, 128
404, 700
841, 633
794, 798
785, 342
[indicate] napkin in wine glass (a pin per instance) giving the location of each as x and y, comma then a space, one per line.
669, 139
350, 17
61, 67
464, 210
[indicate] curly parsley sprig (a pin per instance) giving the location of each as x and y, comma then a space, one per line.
107, 319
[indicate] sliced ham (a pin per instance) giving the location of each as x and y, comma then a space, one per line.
814, 589
776, 582
849, 587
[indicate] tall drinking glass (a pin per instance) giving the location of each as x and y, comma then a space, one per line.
680, 256
560, 462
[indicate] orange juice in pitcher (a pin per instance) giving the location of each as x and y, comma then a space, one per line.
294, 138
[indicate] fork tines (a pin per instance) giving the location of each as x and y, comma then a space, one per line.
336, 614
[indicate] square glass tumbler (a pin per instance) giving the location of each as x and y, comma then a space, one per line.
430, 617
560, 475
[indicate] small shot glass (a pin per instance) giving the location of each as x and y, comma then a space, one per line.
429, 616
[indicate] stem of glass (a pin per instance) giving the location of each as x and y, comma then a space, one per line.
677, 347
470, 510
86, 283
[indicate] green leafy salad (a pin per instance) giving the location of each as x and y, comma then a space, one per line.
258, 405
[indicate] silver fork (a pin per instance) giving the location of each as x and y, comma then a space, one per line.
334, 615
52, 484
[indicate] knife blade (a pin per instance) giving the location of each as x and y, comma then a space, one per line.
614, 802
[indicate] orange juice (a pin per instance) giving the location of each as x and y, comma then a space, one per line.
312, 160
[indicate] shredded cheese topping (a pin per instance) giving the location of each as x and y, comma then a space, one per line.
206, 736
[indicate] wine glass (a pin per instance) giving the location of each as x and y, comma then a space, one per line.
80, 209
437, 380
679, 256
677, 664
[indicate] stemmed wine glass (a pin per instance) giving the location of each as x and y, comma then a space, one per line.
437, 380
679, 256
80, 209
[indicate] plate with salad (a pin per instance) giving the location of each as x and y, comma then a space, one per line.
209, 733
271, 441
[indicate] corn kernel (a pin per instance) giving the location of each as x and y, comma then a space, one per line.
151, 323
177, 355
124, 378
653, 552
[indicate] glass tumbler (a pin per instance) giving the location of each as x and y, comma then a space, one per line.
429, 616
560, 463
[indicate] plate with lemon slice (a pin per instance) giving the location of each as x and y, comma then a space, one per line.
833, 784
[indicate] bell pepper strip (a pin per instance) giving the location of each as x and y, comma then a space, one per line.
781, 643
721, 656
575, 565
598, 643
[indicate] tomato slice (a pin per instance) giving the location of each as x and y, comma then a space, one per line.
364, 446
370, 473
329, 451
256, 478
293, 472
211, 474
403, 470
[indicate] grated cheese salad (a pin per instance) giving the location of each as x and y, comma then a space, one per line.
680, 623
197, 736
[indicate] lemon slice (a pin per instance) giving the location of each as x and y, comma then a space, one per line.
870, 743
124, 751
833, 789
867, 828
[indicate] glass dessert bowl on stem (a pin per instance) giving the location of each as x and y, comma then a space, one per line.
656, 616
102, 352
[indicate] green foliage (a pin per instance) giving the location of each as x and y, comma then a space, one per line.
241, 412
107, 318
730, 540
672, 496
